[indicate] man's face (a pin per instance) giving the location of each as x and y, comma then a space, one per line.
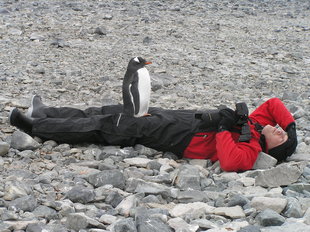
274, 136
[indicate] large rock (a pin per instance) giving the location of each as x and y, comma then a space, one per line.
204, 224
233, 226
231, 212
288, 227
262, 203
178, 224
81, 194
253, 191
76, 221
112, 177
107, 219
22, 224
300, 157
15, 189
79, 221
4, 148
26, 203
264, 161
132, 184
269, 217
153, 188
40, 227
45, 212
4, 227
237, 200
188, 178
293, 208
83, 172
192, 196
226, 177
22, 141
303, 148
145, 221
305, 203
281, 175
246, 181
114, 198
250, 228
127, 204
123, 225
197, 207
37, 36
307, 217
65, 207
299, 187
137, 161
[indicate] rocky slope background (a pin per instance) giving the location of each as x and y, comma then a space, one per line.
204, 53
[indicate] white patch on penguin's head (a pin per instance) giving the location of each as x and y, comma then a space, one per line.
136, 63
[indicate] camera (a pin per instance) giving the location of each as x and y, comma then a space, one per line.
242, 113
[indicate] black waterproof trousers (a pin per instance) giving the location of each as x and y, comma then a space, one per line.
164, 130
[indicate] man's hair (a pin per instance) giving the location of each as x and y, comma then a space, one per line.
286, 149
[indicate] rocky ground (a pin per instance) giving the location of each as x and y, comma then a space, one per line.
204, 53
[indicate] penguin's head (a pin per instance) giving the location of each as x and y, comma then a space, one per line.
136, 63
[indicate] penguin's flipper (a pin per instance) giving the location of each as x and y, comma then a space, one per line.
134, 90
128, 105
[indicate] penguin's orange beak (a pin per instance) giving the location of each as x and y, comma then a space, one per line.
148, 62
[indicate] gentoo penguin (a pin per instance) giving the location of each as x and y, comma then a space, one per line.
136, 88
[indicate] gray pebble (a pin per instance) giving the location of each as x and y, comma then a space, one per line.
4, 148
81, 194
113, 177
22, 141
269, 217
26, 203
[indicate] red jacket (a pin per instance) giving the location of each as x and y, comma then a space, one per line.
224, 146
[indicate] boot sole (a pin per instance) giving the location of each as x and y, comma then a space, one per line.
12, 114
31, 108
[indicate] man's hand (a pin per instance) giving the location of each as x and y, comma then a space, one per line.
228, 119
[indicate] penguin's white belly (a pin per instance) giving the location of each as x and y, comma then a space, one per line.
144, 87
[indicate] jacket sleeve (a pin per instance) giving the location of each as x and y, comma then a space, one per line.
236, 156
273, 112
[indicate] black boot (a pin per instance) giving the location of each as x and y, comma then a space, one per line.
36, 108
21, 121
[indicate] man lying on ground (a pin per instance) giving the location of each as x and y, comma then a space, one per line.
226, 135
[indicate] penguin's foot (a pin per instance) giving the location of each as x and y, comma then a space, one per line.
146, 115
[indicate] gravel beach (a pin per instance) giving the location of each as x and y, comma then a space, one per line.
204, 54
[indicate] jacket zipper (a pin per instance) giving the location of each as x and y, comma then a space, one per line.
204, 136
